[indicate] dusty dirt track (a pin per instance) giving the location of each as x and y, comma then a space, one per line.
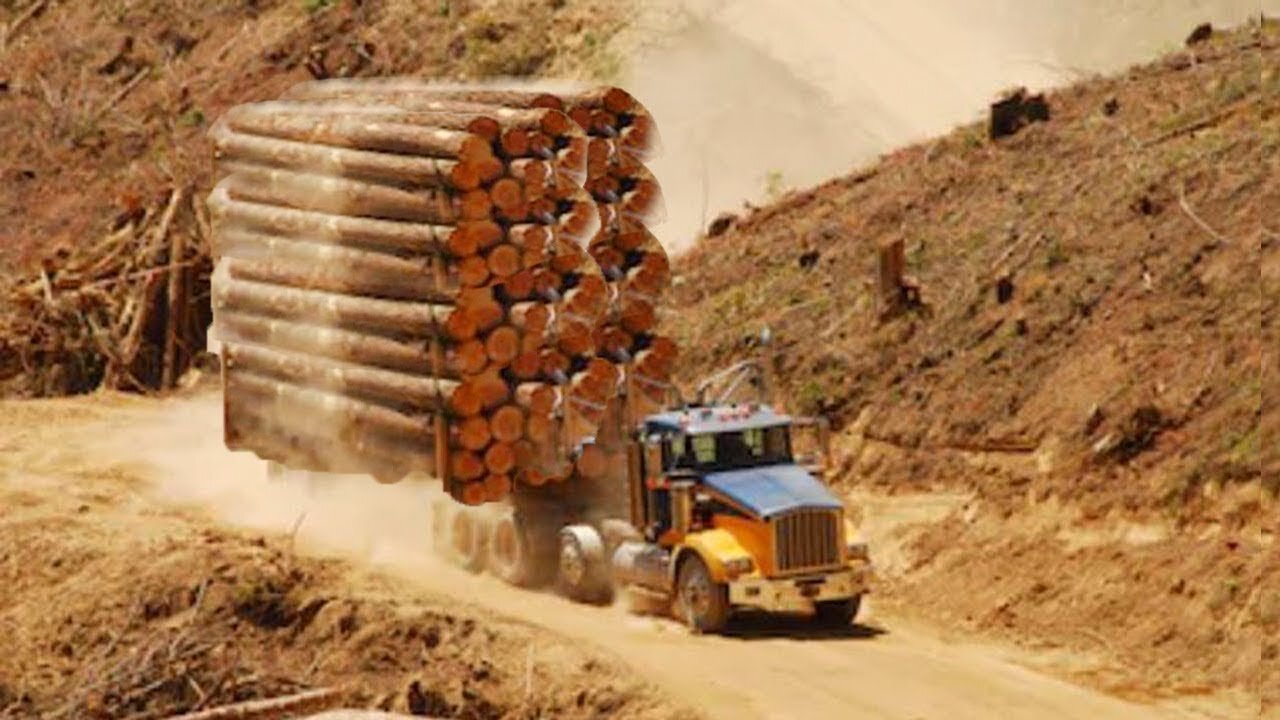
130, 460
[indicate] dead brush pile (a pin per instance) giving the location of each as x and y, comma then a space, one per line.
128, 311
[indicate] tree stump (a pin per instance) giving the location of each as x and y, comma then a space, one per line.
898, 292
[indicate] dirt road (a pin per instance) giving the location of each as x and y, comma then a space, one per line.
884, 668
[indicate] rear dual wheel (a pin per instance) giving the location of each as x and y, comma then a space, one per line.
519, 552
467, 542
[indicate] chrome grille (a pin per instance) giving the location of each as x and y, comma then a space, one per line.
807, 540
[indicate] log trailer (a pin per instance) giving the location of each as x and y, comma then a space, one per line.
416, 279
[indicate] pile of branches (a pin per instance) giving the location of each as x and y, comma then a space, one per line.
129, 311
176, 670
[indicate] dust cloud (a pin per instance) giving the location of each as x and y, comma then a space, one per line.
181, 446
754, 96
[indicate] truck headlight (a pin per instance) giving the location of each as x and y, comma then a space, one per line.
857, 551
738, 566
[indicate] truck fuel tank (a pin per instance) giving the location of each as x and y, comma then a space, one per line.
643, 564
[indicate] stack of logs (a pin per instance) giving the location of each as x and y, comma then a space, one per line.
403, 280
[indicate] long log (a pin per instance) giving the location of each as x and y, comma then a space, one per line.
306, 191
588, 298
387, 317
337, 344
301, 263
504, 260
603, 111
466, 465
540, 399
636, 313
473, 433
330, 417
614, 343
468, 357
496, 487
535, 175
527, 365
402, 170
349, 380
327, 278
403, 237
365, 103
609, 98
506, 424
500, 458
502, 345
360, 130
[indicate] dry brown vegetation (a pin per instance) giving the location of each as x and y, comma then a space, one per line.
1092, 350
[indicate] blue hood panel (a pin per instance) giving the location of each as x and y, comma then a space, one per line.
772, 489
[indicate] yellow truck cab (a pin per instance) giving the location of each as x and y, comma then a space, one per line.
731, 520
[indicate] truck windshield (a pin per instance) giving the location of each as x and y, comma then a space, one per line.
736, 449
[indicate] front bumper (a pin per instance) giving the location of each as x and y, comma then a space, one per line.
798, 594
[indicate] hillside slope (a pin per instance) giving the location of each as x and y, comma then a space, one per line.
1129, 230
1088, 367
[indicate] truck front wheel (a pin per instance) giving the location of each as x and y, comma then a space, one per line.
838, 613
703, 602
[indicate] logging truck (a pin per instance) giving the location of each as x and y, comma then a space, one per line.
720, 507
416, 279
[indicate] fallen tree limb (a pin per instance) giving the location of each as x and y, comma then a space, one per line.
279, 708
12, 29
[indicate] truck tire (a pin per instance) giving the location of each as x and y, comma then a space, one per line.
582, 573
516, 555
837, 613
465, 536
703, 603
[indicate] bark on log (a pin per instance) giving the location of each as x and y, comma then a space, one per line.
387, 317
372, 234
361, 130
337, 344
379, 167
300, 263
366, 103
330, 419
607, 111
353, 381
306, 191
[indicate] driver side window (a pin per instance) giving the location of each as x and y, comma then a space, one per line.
704, 449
